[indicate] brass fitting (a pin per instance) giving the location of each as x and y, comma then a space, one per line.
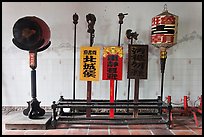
163, 53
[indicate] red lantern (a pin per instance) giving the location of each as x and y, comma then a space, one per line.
163, 36
164, 29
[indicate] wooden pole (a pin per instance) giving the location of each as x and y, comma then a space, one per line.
121, 17
75, 21
91, 19
136, 97
128, 95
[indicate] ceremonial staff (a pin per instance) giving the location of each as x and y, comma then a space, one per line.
75, 21
121, 17
91, 19
130, 35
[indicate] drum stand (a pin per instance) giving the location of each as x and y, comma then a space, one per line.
34, 111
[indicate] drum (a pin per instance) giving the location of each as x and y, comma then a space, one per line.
31, 33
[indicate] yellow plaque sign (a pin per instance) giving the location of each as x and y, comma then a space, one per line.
89, 63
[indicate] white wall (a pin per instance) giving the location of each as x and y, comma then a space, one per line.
183, 73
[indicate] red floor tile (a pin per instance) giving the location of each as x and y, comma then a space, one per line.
73, 131
118, 126
160, 126
198, 131
56, 132
183, 125
140, 132
35, 132
161, 132
14, 132
98, 132
98, 127
179, 127
119, 132
138, 126
79, 126
183, 132
63, 126
193, 126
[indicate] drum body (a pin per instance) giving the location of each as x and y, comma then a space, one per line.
31, 33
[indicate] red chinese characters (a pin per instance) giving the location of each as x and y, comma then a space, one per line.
33, 59
164, 30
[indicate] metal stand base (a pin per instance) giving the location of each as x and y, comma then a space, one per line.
149, 112
34, 110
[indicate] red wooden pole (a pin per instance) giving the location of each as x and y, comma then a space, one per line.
185, 103
201, 101
111, 98
169, 99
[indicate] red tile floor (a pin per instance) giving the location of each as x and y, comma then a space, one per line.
183, 125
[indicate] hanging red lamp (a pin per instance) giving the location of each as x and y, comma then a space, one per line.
164, 30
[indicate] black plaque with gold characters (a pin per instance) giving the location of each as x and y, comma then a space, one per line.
137, 61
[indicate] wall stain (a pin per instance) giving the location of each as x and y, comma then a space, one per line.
63, 47
189, 93
189, 61
173, 77
5, 90
157, 61
156, 93
188, 96
191, 36
124, 94
188, 37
